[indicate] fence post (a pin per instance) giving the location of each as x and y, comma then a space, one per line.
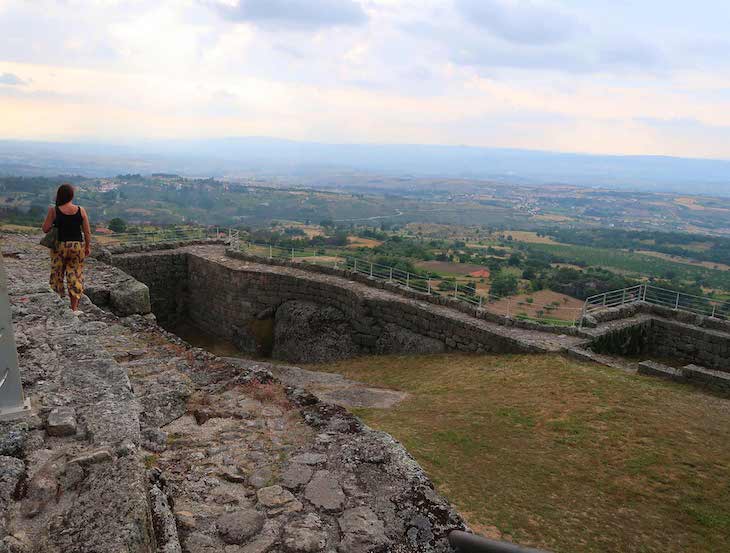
676, 303
623, 297
509, 303
355, 269
480, 301
390, 278
643, 298
271, 251
13, 404
456, 289
408, 280
371, 269
714, 308
429, 284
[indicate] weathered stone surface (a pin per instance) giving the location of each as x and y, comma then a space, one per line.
239, 526
396, 339
325, 491
261, 477
112, 370
130, 298
13, 438
61, 422
277, 500
309, 458
304, 535
651, 368
296, 476
362, 531
310, 333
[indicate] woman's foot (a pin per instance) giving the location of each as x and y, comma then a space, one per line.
77, 312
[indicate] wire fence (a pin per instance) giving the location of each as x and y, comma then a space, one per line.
421, 282
709, 307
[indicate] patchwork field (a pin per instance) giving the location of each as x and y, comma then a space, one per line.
571, 457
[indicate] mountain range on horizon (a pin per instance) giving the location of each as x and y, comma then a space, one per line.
272, 156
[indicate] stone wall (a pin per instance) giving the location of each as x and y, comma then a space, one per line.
302, 318
666, 339
318, 320
395, 287
166, 275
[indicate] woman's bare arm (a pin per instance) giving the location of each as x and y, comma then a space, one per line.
87, 231
50, 217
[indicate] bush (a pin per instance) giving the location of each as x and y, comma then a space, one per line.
117, 225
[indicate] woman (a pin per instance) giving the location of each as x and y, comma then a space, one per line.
68, 257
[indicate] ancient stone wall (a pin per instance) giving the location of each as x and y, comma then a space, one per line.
299, 317
166, 276
666, 339
317, 319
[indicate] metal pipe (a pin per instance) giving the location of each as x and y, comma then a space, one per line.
464, 542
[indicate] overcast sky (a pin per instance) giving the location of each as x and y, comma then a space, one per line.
606, 76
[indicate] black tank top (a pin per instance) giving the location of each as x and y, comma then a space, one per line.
69, 226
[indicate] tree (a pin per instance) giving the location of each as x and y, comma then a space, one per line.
118, 225
504, 284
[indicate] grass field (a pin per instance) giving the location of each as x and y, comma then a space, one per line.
571, 457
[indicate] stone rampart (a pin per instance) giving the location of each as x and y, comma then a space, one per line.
306, 317
665, 338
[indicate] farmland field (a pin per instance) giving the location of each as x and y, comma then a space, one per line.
635, 263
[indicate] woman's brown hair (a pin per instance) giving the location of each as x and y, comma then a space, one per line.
64, 194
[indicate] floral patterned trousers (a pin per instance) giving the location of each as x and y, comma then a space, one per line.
68, 260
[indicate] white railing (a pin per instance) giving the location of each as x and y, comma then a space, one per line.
425, 283
659, 296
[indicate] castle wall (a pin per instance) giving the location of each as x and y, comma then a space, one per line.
166, 276
666, 339
305, 317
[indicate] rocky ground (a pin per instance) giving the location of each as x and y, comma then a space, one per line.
140, 443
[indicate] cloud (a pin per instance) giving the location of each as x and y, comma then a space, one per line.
11, 79
531, 22
308, 14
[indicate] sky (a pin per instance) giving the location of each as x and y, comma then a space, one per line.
594, 76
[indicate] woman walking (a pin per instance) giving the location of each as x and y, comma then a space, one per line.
68, 257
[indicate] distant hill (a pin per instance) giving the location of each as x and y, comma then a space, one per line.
218, 157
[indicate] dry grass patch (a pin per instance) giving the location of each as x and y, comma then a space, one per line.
562, 455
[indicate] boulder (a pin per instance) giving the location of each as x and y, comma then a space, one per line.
240, 526
130, 297
305, 332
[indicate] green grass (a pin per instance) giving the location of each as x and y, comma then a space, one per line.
634, 263
562, 455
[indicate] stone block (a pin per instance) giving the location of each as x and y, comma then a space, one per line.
61, 422
715, 379
130, 298
652, 368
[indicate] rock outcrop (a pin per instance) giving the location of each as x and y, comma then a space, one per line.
143, 444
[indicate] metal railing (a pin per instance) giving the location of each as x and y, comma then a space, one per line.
161, 236
464, 542
421, 282
655, 295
